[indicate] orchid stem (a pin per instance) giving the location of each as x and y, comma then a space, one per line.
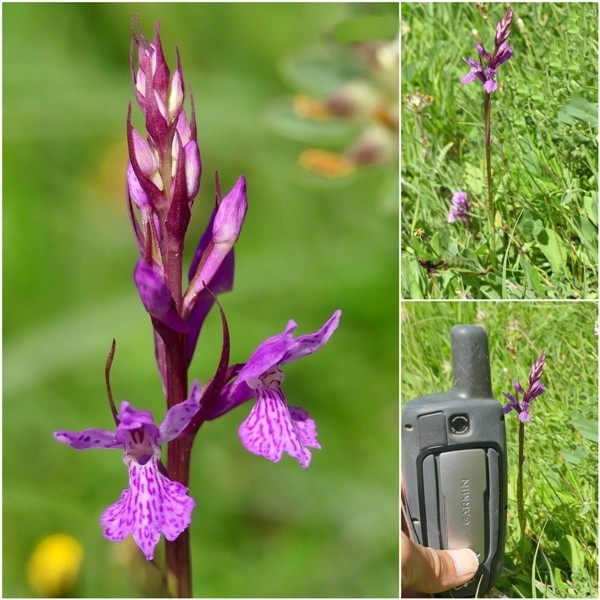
520, 503
487, 106
178, 559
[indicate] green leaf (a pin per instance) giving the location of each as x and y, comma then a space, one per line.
316, 74
572, 551
579, 109
590, 204
331, 133
526, 223
367, 27
588, 428
550, 245
474, 179
574, 457
442, 154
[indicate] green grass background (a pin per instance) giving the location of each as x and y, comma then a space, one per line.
259, 529
544, 152
561, 440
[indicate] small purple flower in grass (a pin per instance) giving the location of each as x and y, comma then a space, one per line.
487, 72
153, 504
535, 389
273, 427
460, 207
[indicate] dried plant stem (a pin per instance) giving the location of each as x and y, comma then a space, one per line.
487, 107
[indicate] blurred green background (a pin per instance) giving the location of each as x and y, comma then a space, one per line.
307, 248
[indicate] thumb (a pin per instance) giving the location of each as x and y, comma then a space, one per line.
431, 571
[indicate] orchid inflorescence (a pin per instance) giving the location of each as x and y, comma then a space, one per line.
534, 389
502, 52
163, 178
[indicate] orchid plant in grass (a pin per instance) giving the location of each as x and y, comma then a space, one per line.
522, 404
163, 178
485, 70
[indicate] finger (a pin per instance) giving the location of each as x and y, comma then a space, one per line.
431, 571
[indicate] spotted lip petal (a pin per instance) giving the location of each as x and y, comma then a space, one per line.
273, 428
153, 504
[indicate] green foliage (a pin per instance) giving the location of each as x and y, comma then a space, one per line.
544, 153
561, 440
258, 529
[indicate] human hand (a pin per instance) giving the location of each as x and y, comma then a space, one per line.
431, 571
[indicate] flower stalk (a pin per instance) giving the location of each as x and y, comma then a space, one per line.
520, 499
487, 119
522, 408
486, 70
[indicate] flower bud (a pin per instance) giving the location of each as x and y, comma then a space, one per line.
230, 215
136, 192
175, 95
144, 155
156, 296
193, 168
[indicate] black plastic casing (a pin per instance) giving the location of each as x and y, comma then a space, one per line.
454, 463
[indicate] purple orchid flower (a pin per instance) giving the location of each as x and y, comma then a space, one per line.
487, 72
535, 389
460, 207
273, 427
153, 504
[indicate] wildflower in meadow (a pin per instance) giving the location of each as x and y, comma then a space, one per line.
460, 207
534, 389
487, 72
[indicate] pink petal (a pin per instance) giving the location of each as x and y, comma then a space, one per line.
153, 504
468, 78
88, 438
271, 429
490, 86
178, 417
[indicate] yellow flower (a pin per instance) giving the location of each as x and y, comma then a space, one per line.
54, 565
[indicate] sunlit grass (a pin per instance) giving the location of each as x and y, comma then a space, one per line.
544, 154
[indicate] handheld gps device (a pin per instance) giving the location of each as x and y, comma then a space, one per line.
454, 463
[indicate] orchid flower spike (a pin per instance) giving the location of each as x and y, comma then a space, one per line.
487, 68
535, 389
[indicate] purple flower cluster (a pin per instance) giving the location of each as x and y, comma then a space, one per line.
535, 389
502, 52
163, 178
460, 207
